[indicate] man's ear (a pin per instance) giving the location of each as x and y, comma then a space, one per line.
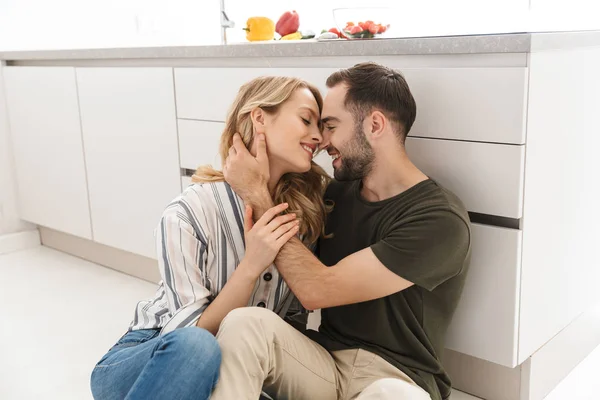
258, 120
376, 124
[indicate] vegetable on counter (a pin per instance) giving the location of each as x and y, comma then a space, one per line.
363, 30
327, 36
288, 23
259, 28
293, 36
308, 34
335, 30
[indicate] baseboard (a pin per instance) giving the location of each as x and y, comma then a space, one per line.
557, 358
482, 378
538, 375
120, 260
19, 241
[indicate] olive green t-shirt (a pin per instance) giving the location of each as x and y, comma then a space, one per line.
422, 235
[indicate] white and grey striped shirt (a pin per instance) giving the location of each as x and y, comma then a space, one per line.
200, 242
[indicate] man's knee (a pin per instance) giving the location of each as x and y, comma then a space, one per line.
393, 389
245, 318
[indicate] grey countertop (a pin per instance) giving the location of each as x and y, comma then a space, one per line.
472, 44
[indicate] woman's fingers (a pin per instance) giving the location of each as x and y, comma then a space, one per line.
270, 214
278, 221
283, 229
283, 239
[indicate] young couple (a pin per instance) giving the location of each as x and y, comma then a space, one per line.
382, 249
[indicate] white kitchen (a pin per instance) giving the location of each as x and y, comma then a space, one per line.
102, 103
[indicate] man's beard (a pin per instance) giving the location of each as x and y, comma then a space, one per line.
357, 157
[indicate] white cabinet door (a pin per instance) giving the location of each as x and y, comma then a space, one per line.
486, 321
130, 133
47, 147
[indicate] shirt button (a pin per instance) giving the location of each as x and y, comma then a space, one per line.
261, 304
267, 277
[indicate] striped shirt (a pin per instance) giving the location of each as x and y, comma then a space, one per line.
200, 242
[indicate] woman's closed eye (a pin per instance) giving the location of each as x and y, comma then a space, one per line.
306, 121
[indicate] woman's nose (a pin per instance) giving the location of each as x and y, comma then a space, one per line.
316, 137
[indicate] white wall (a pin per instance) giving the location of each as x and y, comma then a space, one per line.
564, 15
53, 24
9, 220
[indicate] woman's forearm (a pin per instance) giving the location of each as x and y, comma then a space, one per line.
234, 294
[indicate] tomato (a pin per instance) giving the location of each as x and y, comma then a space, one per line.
381, 29
374, 29
334, 30
355, 30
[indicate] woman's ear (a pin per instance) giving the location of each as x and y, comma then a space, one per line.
258, 120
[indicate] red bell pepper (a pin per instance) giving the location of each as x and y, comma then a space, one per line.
288, 23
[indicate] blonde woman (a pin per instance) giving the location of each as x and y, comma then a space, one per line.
213, 258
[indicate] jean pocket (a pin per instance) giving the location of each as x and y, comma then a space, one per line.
130, 339
137, 337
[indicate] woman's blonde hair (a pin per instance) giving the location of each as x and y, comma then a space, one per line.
302, 191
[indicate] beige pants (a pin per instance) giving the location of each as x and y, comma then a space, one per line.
262, 352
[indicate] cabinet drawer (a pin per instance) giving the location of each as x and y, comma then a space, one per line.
487, 177
476, 104
485, 324
199, 143
207, 93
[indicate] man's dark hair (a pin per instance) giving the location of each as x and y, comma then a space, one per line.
372, 86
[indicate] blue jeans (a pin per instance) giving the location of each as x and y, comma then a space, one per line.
183, 364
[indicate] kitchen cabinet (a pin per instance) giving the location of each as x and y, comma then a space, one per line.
130, 131
47, 145
199, 143
488, 178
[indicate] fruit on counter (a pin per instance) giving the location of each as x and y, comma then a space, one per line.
288, 23
363, 30
259, 28
293, 36
356, 29
335, 30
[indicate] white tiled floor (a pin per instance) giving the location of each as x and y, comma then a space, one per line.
60, 314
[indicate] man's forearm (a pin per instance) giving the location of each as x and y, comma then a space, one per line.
301, 270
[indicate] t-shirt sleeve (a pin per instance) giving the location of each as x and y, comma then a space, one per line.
426, 250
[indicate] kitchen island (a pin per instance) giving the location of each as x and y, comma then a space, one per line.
504, 121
